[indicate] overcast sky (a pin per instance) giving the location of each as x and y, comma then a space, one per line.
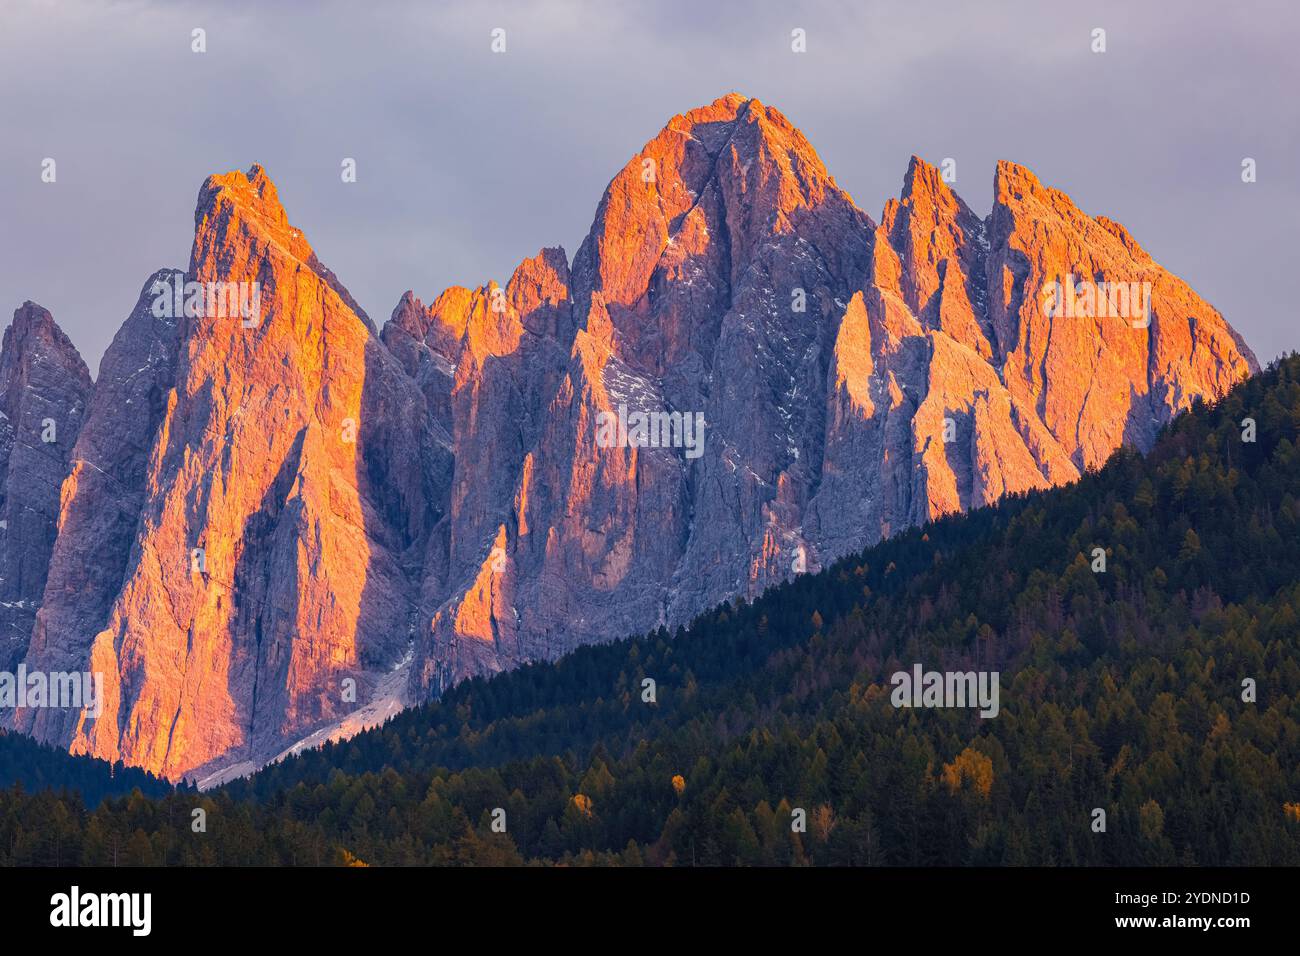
469, 161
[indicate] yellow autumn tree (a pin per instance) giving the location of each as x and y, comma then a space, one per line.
1151, 820
679, 783
823, 822
970, 769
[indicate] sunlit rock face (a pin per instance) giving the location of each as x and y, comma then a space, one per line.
855, 378
513, 471
286, 486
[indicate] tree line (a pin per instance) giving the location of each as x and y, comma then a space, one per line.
1149, 712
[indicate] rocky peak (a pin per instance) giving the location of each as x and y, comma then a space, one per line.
1102, 341
539, 293
99, 509
287, 484
236, 205
33, 336
470, 490
941, 248
44, 387
439, 326
851, 378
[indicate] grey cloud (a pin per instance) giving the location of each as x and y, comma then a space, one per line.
468, 162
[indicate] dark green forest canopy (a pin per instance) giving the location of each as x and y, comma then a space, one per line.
1121, 691
35, 766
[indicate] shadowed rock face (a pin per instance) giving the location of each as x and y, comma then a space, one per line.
102, 497
443, 500
44, 387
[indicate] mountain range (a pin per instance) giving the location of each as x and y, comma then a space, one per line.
271, 529
1147, 711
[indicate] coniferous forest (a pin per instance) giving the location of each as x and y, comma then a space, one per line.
1163, 691
33, 765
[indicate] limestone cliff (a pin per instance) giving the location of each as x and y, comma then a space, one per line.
283, 524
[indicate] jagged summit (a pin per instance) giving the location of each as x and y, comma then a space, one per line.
255, 195
248, 203
34, 324
1007, 174
447, 497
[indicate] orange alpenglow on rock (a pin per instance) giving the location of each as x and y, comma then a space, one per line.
854, 379
302, 531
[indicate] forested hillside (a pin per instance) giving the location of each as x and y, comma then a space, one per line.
1164, 690
35, 766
